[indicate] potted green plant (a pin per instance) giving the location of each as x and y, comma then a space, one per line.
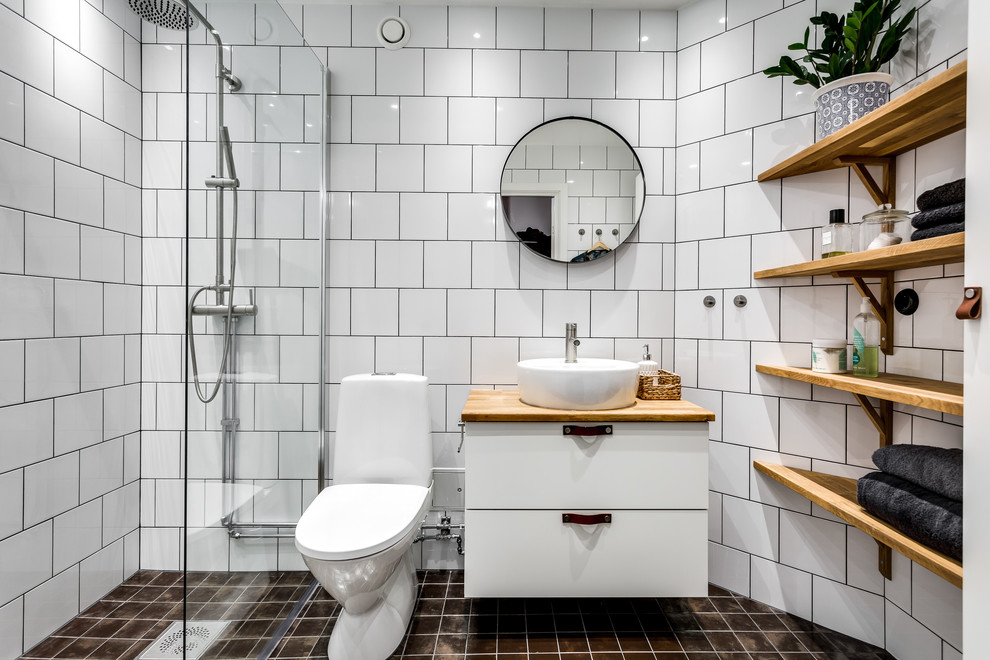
845, 68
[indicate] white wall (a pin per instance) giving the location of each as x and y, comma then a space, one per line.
733, 123
977, 525
70, 270
423, 276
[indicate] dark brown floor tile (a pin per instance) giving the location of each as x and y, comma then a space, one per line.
130, 610
654, 621
741, 621
481, 644
49, 647
80, 648
76, 627
456, 624
785, 642
718, 591
456, 606
568, 622
663, 642
101, 609
796, 623
683, 621
602, 642
451, 644
597, 622
625, 622
105, 628
542, 643
572, 642
711, 621
298, 647
442, 577
137, 648
420, 644
512, 644
112, 649
815, 642
455, 590
134, 629
157, 629
768, 622
539, 623
424, 625
767, 655
694, 641
487, 625
630, 642
701, 604
754, 606
606, 655
429, 606
755, 641
724, 641
511, 624
727, 605
433, 591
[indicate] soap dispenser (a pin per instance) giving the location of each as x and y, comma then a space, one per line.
647, 367
866, 342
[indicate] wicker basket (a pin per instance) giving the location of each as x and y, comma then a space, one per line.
665, 385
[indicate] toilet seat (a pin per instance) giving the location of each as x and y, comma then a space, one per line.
357, 520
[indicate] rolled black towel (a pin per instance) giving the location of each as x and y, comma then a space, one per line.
938, 230
944, 195
934, 468
920, 514
940, 216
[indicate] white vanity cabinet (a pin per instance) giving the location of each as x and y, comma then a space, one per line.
572, 504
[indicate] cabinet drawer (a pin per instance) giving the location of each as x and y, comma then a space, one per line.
533, 465
534, 554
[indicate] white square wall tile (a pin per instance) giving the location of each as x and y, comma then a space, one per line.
848, 610
750, 420
728, 568
728, 469
812, 428
50, 487
543, 74
751, 527
518, 313
447, 72
50, 605
701, 116
400, 168
722, 59
658, 30
614, 313
726, 160
400, 72
639, 75
724, 263
496, 73
471, 121
724, 365
751, 101
699, 21
470, 312
781, 587
813, 544
493, 360
519, 27
567, 29
615, 29
591, 75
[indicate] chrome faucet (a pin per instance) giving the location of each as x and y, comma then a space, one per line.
571, 342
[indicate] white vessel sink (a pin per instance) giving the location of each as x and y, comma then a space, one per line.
588, 384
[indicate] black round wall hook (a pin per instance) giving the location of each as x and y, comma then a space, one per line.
906, 302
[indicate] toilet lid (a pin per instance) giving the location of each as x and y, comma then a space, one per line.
356, 520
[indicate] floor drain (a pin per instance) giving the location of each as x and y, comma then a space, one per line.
193, 639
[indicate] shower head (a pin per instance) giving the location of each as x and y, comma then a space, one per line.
171, 14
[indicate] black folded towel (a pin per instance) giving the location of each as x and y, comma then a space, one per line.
928, 518
944, 195
938, 230
941, 216
934, 468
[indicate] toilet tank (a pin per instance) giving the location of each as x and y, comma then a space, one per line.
383, 430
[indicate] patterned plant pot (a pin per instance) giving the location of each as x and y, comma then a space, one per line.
842, 102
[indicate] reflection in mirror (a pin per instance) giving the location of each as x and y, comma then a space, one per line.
572, 189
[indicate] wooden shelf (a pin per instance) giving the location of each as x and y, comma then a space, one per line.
929, 252
837, 495
922, 392
931, 110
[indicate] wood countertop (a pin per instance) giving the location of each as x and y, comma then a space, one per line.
505, 406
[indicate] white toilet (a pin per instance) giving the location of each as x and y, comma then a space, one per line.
357, 534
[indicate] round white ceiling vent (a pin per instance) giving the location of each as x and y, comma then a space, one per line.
393, 33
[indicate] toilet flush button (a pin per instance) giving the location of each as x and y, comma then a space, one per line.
393, 33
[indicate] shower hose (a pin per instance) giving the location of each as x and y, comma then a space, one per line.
228, 326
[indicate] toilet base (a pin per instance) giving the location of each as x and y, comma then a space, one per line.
375, 633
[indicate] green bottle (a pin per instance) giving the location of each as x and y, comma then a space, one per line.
866, 342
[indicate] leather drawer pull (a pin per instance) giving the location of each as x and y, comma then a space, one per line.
971, 304
585, 519
572, 429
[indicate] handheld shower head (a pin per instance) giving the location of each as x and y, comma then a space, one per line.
171, 14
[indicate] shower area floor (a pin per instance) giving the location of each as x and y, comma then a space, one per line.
447, 626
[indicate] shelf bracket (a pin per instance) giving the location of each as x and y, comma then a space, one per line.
882, 418
882, 193
885, 560
882, 307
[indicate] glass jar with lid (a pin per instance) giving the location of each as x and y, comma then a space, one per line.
883, 228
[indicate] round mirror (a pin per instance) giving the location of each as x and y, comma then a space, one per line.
572, 189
